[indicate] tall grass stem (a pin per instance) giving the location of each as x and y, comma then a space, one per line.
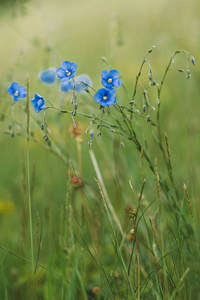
28, 174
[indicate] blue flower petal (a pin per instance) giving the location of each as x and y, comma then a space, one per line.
111, 101
98, 98
22, 92
34, 102
38, 97
65, 78
15, 98
103, 92
111, 93
66, 86
105, 83
117, 83
114, 74
73, 67
80, 87
60, 72
10, 91
104, 74
37, 110
13, 88
48, 76
65, 65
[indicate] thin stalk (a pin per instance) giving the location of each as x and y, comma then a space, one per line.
28, 174
29, 206
138, 260
79, 155
159, 92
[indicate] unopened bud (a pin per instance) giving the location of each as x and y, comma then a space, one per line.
42, 126
91, 133
73, 113
192, 60
132, 102
148, 118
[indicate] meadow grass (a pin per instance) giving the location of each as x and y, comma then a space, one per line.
119, 219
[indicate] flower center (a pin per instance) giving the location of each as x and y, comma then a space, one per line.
16, 93
68, 73
109, 80
105, 98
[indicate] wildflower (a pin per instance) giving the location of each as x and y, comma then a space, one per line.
66, 86
17, 91
38, 103
111, 79
48, 76
66, 71
79, 83
105, 97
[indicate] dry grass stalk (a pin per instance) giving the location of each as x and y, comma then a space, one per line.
188, 199
157, 184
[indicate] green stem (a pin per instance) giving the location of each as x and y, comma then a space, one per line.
28, 171
29, 205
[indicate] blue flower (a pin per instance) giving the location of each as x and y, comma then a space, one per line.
66, 86
105, 97
38, 103
110, 80
17, 91
80, 86
66, 71
48, 76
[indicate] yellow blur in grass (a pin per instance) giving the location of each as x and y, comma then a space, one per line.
6, 207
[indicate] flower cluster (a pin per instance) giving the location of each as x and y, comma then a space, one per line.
66, 74
105, 96
79, 84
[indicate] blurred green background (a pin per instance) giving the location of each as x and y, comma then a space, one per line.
35, 35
